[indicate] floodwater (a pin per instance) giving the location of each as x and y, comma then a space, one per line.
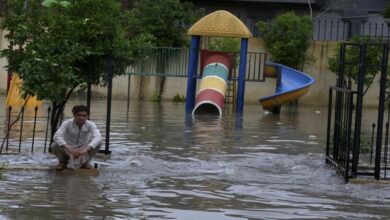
166, 166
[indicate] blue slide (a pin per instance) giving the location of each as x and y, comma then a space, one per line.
291, 84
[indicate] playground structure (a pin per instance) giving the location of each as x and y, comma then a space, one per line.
210, 98
217, 24
291, 84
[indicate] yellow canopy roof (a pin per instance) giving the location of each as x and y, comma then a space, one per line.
220, 24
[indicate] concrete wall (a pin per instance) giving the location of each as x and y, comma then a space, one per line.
145, 88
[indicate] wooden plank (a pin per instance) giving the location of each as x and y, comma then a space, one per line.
92, 172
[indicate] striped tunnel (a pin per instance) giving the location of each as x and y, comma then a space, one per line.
210, 98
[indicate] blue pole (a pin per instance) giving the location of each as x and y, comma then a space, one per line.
241, 76
192, 71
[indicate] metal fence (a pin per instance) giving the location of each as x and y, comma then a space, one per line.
340, 30
335, 28
162, 61
173, 62
355, 147
26, 130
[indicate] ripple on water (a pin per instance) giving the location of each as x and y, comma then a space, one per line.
166, 166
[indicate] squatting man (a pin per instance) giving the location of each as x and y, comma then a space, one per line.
76, 141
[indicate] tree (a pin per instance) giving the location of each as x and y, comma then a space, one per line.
288, 38
352, 57
225, 44
57, 48
167, 21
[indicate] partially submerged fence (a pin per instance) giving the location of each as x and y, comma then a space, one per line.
173, 62
358, 136
26, 130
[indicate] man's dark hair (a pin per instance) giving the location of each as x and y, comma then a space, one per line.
79, 108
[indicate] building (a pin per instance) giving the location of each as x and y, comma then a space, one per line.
335, 20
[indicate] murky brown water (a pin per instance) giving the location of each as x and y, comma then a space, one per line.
166, 166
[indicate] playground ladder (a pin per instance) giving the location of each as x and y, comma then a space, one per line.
230, 92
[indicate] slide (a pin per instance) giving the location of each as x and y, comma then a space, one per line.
14, 98
216, 67
291, 84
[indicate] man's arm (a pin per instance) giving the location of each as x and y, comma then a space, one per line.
96, 138
59, 136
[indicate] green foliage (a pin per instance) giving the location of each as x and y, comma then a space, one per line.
352, 54
225, 44
365, 146
49, 3
156, 97
57, 49
288, 38
178, 98
166, 20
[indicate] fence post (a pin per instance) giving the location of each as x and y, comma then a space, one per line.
35, 123
109, 97
241, 76
381, 109
21, 129
359, 106
47, 127
8, 127
192, 71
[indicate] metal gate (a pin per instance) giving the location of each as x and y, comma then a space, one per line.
353, 147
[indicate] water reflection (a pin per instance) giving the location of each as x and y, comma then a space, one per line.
165, 165
50, 196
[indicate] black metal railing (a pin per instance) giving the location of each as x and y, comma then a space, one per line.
341, 30
162, 61
26, 130
353, 149
339, 133
334, 28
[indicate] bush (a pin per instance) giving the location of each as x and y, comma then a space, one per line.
156, 97
178, 98
225, 44
287, 38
